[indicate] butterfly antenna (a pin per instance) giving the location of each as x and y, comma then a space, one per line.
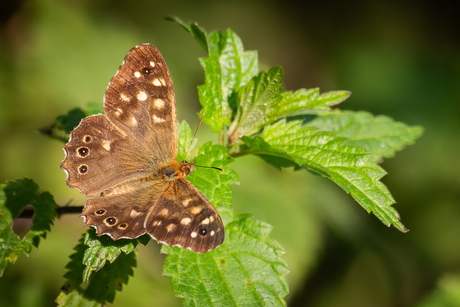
191, 142
210, 167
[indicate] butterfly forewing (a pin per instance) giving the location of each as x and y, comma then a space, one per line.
91, 154
140, 100
128, 157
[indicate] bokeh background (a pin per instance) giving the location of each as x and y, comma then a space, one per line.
398, 58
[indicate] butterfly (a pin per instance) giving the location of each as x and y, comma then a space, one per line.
127, 157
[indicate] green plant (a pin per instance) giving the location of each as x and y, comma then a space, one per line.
252, 116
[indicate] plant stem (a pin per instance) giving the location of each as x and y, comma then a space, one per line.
28, 213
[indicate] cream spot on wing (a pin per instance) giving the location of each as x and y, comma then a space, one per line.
158, 82
164, 212
196, 210
106, 145
194, 234
137, 74
185, 202
213, 233
211, 219
152, 64
142, 96
186, 221
132, 121
205, 221
118, 112
134, 213
170, 227
158, 103
156, 223
124, 97
157, 119
121, 189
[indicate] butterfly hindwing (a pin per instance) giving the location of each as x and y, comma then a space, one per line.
183, 217
121, 212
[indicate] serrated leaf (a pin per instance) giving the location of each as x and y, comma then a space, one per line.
213, 183
69, 121
327, 155
198, 33
257, 103
308, 101
227, 69
184, 135
93, 108
246, 270
380, 135
262, 149
14, 197
101, 249
103, 284
222, 277
63, 124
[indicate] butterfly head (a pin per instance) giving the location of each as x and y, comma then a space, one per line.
186, 168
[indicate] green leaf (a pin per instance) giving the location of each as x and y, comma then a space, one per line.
380, 135
184, 134
246, 270
327, 155
14, 197
213, 183
93, 108
63, 125
68, 122
257, 103
308, 101
103, 284
227, 69
262, 149
102, 249
198, 33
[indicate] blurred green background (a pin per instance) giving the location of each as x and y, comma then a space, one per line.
399, 58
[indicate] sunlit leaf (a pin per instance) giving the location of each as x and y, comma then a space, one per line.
101, 288
327, 155
257, 103
380, 135
309, 101
227, 69
14, 197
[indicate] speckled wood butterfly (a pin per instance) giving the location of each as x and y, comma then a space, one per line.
127, 157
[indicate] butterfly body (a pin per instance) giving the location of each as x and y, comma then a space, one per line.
128, 157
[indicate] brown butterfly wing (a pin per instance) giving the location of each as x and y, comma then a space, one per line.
183, 217
122, 215
126, 157
94, 154
140, 100
137, 135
